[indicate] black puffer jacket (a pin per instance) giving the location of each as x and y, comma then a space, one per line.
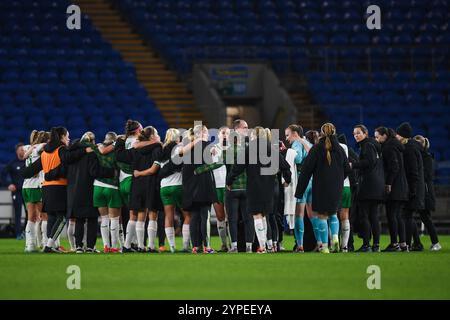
80, 189
394, 170
328, 180
260, 184
371, 173
413, 162
428, 169
198, 190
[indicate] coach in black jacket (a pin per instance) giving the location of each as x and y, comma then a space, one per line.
396, 186
260, 185
371, 187
416, 182
430, 201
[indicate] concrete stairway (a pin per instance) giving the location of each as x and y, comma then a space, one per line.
169, 93
309, 115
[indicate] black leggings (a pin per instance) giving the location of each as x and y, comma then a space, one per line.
91, 238
411, 231
279, 220
18, 204
161, 229
235, 203
272, 217
272, 227
55, 224
370, 223
395, 220
199, 225
425, 216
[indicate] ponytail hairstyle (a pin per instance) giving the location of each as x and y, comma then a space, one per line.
110, 138
403, 140
392, 133
88, 137
260, 132
383, 131
388, 132
44, 136
328, 130
132, 127
147, 133
268, 134
172, 135
189, 134
198, 130
296, 128
312, 136
34, 137
424, 142
56, 134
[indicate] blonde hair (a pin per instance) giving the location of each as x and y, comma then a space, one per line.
403, 140
34, 137
268, 134
88, 137
110, 138
43, 137
198, 130
328, 130
260, 132
189, 134
172, 135
423, 141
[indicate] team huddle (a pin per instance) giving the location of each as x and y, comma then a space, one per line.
136, 181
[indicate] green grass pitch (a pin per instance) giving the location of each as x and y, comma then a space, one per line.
415, 275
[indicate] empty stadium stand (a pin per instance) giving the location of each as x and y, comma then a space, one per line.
50, 75
378, 77
170, 95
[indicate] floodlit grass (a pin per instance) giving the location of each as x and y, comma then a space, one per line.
415, 275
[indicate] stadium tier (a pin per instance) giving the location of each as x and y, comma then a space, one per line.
50, 75
288, 33
303, 37
381, 99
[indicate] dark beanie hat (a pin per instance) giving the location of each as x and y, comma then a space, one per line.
405, 130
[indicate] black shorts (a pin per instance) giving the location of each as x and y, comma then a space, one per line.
260, 207
138, 201
54, 199
138, 196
